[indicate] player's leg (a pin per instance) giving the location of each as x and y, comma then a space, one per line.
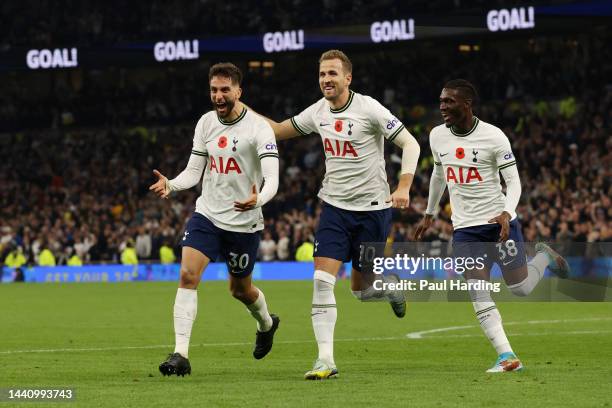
324, 315
193, 263
243, 289
521, 276
471, 242
331, 250
362, 286
240, 252
200, 245
490, 321
373, 227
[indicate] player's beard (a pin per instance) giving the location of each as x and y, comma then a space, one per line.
229, 106
455, 116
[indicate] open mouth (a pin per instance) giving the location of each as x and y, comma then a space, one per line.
328, 88
221, 107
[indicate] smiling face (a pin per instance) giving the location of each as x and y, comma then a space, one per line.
334, 81
453, 106
223, 95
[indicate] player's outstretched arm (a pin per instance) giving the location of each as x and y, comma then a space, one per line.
410, 157
187, 179
282, 130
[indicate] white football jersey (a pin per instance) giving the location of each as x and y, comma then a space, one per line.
471, 164
353, 136
234, 150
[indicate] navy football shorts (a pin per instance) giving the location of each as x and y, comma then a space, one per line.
237, 249
341, 232
481, 241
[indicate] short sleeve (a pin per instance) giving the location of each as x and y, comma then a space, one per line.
383, 121
199, 145
503, 152
304, 122
266, 142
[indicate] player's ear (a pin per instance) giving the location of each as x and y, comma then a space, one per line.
238, 93
349, 78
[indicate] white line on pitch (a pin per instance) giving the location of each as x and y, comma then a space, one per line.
411, 336
420, 334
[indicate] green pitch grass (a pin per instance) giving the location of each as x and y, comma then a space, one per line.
106, 341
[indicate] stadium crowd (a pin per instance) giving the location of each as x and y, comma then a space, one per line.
121, 21
75, 167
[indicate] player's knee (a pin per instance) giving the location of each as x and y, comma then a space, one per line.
520, 289
189, 277
240, 293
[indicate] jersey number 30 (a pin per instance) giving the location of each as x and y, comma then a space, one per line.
237, 261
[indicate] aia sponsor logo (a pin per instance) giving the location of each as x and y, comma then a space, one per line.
338, 148
223, 165
462, 175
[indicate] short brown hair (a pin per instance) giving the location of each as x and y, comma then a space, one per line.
337, 54
228, 70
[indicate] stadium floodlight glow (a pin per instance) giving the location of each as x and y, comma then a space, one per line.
396, 30
55, 58
511, 19
176, 50
283, 41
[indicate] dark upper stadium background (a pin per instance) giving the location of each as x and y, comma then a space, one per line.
81, 131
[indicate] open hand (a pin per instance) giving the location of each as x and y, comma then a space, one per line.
161, 185
249, 203
400, 198
502, 219
423, 227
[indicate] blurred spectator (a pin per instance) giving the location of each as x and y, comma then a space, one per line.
267, 248
74, 260
282, 248
128, 255
166, 254
15, 258
305, 252
46, 257
143, 243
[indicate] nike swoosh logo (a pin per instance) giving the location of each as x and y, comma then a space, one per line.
318, 313
324, 124
442, 155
